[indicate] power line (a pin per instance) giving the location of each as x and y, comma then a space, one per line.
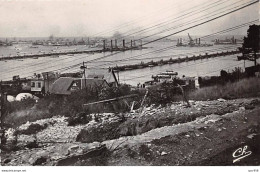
207, 36
175, 32
229, 29
209, 20
162, 24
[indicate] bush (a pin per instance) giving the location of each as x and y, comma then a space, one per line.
163, 94
80, 118
241, 89
32, 129
21, 105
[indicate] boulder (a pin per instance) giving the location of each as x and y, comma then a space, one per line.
80, 118
90, 153
39, 158
23, 96
32, 129
138, 126
249, 106
255, 102
99, 133
221, 100
7, 160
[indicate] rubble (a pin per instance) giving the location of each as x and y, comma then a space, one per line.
58, 142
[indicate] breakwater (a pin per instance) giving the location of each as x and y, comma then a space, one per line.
56, 54
172, 61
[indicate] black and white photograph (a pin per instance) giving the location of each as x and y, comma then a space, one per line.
119, 83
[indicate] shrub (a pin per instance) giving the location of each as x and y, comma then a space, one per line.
243, 88
80, 118
20, 105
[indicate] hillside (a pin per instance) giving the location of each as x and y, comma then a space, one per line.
207, 133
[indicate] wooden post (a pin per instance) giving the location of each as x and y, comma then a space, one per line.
143, 101
104, 44
48, 90
132, 106
183, 95
84, 67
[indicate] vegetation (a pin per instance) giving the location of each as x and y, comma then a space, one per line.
249, 87
71, 105
251, 43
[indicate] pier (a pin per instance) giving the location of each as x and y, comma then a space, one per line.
70, 53
172, 61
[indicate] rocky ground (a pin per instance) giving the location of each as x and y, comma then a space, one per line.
207, 133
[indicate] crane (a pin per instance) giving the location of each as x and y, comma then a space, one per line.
191, 40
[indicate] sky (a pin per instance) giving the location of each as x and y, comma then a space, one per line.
81, 18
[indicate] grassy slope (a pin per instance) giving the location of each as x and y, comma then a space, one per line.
244, 88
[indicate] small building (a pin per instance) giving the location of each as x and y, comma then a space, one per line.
64, 86
105, 74
67, 85
37, 84
41, 83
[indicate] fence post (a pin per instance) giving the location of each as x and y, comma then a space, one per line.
183, 95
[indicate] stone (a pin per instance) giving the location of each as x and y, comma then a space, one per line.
221, 100
255, 102
73, 148
99, 133
163, 153
7, 160
55, 158
242, 108
249, 107
250, 136
37, 160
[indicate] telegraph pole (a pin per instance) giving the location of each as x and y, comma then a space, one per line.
84, 70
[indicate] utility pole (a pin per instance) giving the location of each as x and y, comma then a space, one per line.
85, 82
47, 83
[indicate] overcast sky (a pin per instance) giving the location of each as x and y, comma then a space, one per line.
93, 17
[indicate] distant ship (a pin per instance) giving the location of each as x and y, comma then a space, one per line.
192, 43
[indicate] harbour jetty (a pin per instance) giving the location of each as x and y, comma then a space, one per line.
105, 48
172, 61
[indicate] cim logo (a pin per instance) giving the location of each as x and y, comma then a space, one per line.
241, 153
